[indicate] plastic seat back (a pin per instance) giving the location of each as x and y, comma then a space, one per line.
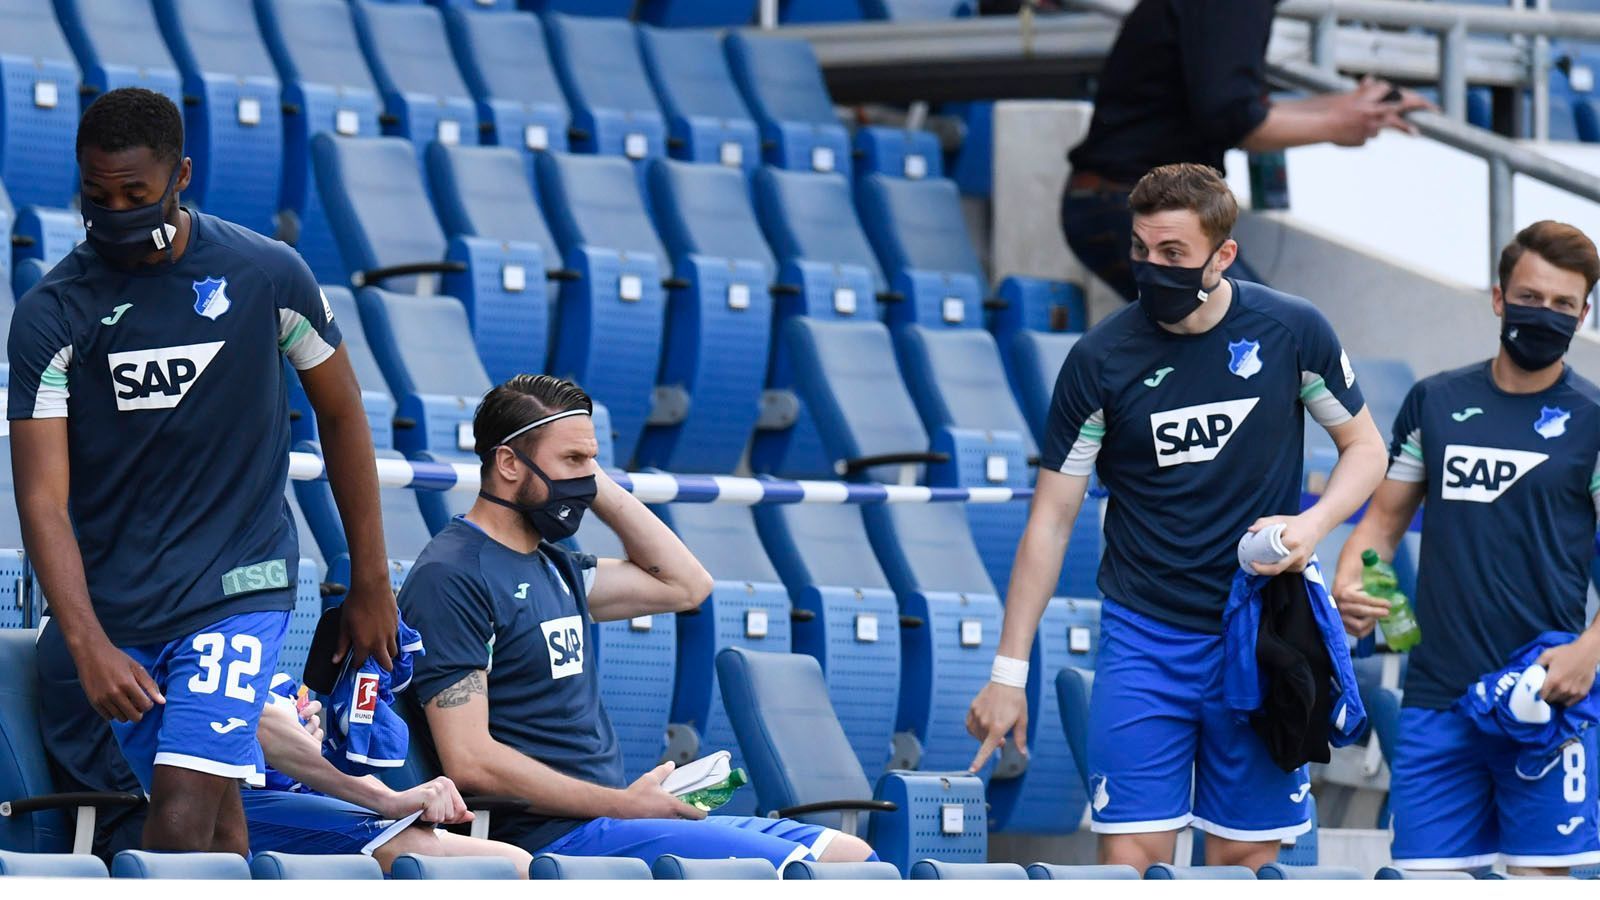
783, 87
38, 104
377, 204
697, 13
934, 870
51, 865
180, 866
706, 210
554, 867
678, 868
375, 396
596, 201
118, 44
24, 767
1048, 872
275, 866
423, 92
706, 118
486, 192
1033, 362
409, 867
1166, 872
916, 226
809, 216
613, 109
808, 870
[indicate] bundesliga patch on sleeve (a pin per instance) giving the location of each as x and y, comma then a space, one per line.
366, 703
262, 576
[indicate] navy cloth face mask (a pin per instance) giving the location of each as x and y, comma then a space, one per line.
1170, 293
1536, 337
124, 237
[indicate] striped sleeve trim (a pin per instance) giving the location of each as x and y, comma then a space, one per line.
1594, 486
301, 343
1407, 465
1080, 459
50, 402
1320, 402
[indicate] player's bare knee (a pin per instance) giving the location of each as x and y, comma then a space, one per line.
846, 848
417, 839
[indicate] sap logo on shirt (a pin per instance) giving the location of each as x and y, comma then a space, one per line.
564, 639
1197, 433
159, 378
1482, 474
366, 701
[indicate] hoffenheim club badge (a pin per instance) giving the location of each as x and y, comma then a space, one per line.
1244, 358
211, 298
1552, 422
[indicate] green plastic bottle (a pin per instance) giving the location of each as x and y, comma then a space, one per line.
1400, 628
715, 795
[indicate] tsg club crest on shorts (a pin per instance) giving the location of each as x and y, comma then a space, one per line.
211, 297
1244, 357
1552, 422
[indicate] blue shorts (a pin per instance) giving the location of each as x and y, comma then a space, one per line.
1459, 803
215, 681
778, 841
1165, 752
312, 823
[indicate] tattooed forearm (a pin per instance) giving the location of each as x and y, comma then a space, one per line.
459, 693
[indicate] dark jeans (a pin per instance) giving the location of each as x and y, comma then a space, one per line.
1099, 229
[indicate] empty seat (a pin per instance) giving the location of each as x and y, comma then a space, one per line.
1166, 872
118, 44
375, 396
405, 532
1048, 872
617, 8
554, 867
307, 600
748, 607
506, 65
807, 870
804, 767
822, 553
424, 348
609, 321
409, 867
921, 239
39, 106
706, 118
613, 109
15, 610
275, 866
232, 110
50, 865
387, 235
697, 13
1074, 686
916, 10
782, 85
678, 868
935, 870
1033, 362
719, 318
424, 96
42, 238
1281, 872
326, 87
180, 866
1391, 873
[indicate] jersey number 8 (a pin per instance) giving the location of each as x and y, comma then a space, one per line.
210, 646
1574, 786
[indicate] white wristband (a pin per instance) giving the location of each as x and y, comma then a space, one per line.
1009, 672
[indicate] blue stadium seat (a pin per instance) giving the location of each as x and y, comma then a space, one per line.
613, 109
748, 607
507, 67
1166, 872
1038, 304
326, 87
478, 5
853, 630
425, 350
408, 867
1048, 872
614, 8
1281, 872
275, 866
50, 865
405, 531
1391, 873
38, 105
232, 110
375, 397
917, 10
782, 85
707, 120
8, 218
697, 13
424, 96
719, 322
807, 870
678, 868
937, 870
899, 152
792, 12
921, 239
307, 603
1033, 362
803, 766
638, 665
1074, 686
15, 609
180, 866
1384, 383
973, 164
387, 235
41, 239
118, 44
608, 329
927, 554
554, 867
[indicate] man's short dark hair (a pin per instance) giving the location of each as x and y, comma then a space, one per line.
523, 399
1197, 188
1560, 244
133, 117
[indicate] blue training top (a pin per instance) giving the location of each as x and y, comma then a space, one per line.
1508, 532
1202, 436
523, 618
171, 380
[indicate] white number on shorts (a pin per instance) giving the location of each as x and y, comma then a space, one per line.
1575, 786
210, 645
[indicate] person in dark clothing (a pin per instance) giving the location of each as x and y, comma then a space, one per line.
1185, 82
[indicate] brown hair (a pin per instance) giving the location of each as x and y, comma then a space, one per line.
1560, 245
1199, 189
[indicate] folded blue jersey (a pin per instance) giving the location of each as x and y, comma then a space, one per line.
1506, 704
364, 733
1244, 681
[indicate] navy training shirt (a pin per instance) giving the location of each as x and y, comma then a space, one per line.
1195, 437
1509, 527
480, 605
171, 380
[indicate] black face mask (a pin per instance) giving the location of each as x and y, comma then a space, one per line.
1536, 337
567, 499
1170, 293
124, 237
